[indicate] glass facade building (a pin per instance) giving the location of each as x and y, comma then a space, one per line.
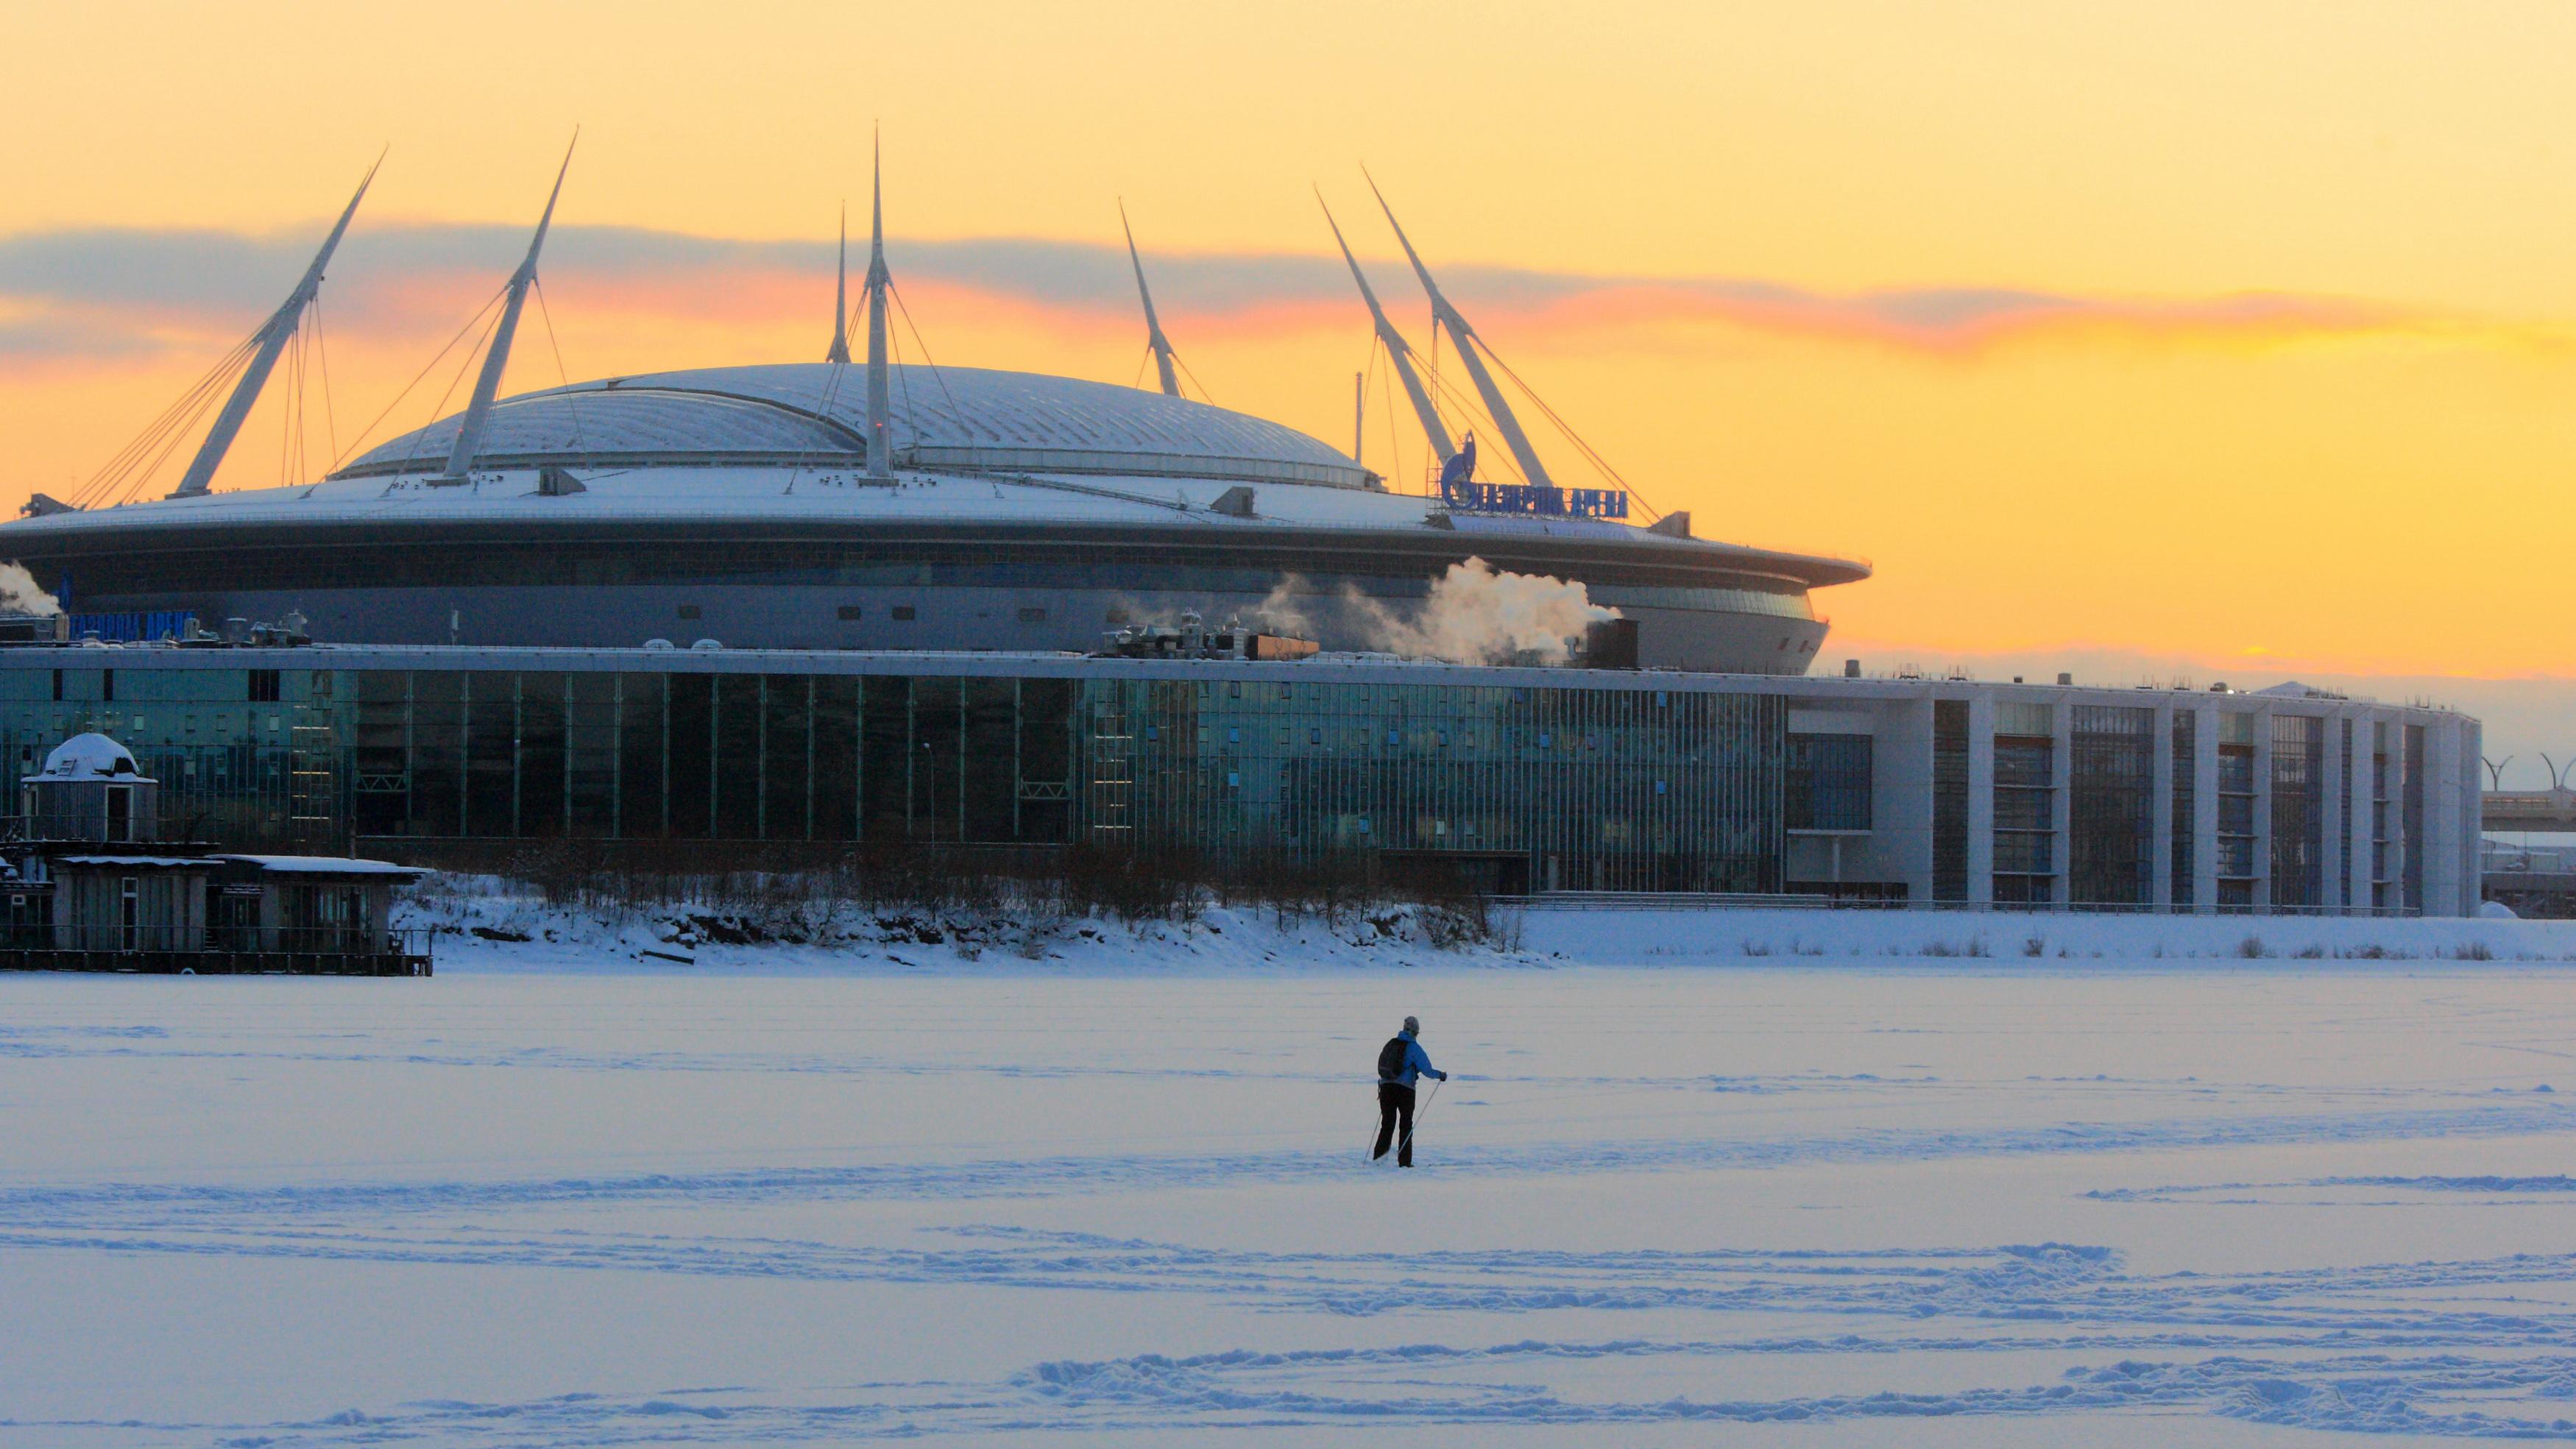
1566, 788
1522, 779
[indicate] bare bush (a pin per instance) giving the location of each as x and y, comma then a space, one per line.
741, 892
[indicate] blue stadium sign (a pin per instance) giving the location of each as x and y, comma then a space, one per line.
1468, 496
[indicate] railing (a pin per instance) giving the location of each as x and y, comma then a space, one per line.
2536, 860
115, 936
1704, 900
88, 828
2549, 810
222, 950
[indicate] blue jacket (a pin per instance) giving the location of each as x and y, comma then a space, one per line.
1416, 1064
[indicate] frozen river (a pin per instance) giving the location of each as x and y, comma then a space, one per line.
1792, 1202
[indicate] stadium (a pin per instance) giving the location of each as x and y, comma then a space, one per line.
962, 609
841, 505
1022, 512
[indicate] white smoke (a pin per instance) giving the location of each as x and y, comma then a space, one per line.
1284, 611
1478, 616
19, 594
1473, 615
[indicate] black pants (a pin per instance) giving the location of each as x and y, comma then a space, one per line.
1394, 1122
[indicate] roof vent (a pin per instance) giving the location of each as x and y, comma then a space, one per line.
1235, 502
1672, 525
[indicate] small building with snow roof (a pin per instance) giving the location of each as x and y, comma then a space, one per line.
90, 790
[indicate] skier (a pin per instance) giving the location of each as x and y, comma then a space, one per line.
1400, 1063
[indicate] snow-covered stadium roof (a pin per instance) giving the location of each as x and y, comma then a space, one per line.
960, 418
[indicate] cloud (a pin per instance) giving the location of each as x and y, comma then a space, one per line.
136, 288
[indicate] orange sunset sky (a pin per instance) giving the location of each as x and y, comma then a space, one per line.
2208, 340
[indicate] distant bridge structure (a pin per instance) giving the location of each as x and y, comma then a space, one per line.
2535, 810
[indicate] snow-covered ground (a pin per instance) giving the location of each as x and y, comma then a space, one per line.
1725, 1177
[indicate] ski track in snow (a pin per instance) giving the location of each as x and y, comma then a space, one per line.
21, 1207
2442, 1337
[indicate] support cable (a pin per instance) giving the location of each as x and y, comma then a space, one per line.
1205, 396
465, 365
1566, 428
118, 469
330, 411
360, 441
571, 407
897, 293
286, 406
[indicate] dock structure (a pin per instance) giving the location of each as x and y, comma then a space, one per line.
95, 883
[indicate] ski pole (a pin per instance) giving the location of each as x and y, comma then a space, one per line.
1422, 1112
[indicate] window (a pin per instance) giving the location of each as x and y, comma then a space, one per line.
903, 613
848, 612
1949, 799
2111, 805
1828, 785
688, 611
263, 686
1032, 615
107, 685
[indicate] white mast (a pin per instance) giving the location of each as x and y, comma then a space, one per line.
478, 413
840, 351
880, 429
273, 335
1398, 350
1466, 340
1154, 337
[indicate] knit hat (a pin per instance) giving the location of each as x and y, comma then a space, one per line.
1412, 1024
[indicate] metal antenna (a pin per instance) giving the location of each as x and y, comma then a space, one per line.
1466, 340
840, 350
1397, 349
272, 336
1154, 337
478, 413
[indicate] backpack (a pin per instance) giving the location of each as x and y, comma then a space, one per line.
1390, 1059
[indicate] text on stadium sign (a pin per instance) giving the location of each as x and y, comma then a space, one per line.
1467, 496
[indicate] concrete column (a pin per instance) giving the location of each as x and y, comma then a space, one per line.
2330, 793
2061, 800
2400, 845
2445, 772
2160, 786
2472, 853
2204, 810
1981, 799
2358, 794
1901, 791
2262, 810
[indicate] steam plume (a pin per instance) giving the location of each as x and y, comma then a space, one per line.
19, 594
1474, 615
